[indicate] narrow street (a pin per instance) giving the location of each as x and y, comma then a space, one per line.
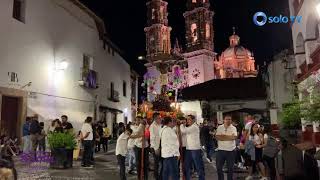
106, 168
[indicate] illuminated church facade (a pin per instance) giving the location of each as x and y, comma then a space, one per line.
177, 69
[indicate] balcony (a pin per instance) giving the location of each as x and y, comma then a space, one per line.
89, 79
307, 69
113, 95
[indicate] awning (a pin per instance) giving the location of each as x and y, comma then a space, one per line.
226, 89
110, 109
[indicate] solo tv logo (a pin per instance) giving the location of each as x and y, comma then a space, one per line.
260, 19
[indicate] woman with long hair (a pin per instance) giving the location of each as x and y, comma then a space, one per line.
257, 138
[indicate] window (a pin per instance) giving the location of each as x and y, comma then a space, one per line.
124, 88
161, 12
153, 11
19, 10
112, 88
208, 31
194, 33
194, 1
87, 62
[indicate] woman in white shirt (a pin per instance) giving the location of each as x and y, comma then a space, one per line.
257, 138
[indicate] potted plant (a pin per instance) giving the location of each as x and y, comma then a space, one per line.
311, 109
62, 146
291, 120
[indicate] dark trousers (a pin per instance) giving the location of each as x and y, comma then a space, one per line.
271, 166
157, 165
138, 152
104, 142
194, 157
209, 148
122, 165
183, 160
222, 157
170, 169
87, 152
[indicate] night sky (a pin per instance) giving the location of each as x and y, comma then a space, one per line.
125, 21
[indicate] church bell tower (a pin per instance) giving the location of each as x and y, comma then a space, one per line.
199, 37
158, 43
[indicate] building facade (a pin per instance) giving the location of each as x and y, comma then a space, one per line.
281, 72
56, 59
307, 53
177, 69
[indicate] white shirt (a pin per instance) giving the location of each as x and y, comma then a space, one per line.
155, 135
138, 141
192, 134
122, 145
85, 129
227, 145
169, 143
131, 142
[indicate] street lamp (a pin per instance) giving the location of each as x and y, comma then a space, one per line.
62, 65
140, 58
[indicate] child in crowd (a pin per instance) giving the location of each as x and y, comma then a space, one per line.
121, 151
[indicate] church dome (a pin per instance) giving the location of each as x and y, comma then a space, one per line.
235, 50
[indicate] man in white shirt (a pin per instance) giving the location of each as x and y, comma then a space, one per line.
155, 143
139, 145
87, 140
193, 148
169, 150
131, 144
226, 136
183, 145
121, 152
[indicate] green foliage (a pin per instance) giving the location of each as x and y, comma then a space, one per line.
291, 116
311, 110
62, 140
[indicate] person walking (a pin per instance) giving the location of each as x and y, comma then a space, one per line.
141, 151
87, 141
155, 143
26, 136
193, 148
121, 152
105, 137
257, 138
67, 126
35, 131
131, 144
226, 135
169, 150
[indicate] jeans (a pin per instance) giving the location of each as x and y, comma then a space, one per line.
209, 150
157, 162
87, 152
170, 168
121, 162
138, 152
132, 159
26, 144
194, 157
223, 156
271, 166
104, 142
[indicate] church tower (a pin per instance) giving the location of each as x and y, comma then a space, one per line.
199, 35
158, 44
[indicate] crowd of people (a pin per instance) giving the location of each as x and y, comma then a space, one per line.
178, 146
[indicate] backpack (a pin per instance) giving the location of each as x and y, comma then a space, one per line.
272, 148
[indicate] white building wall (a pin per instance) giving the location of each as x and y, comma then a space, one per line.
192, 108
56, 30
